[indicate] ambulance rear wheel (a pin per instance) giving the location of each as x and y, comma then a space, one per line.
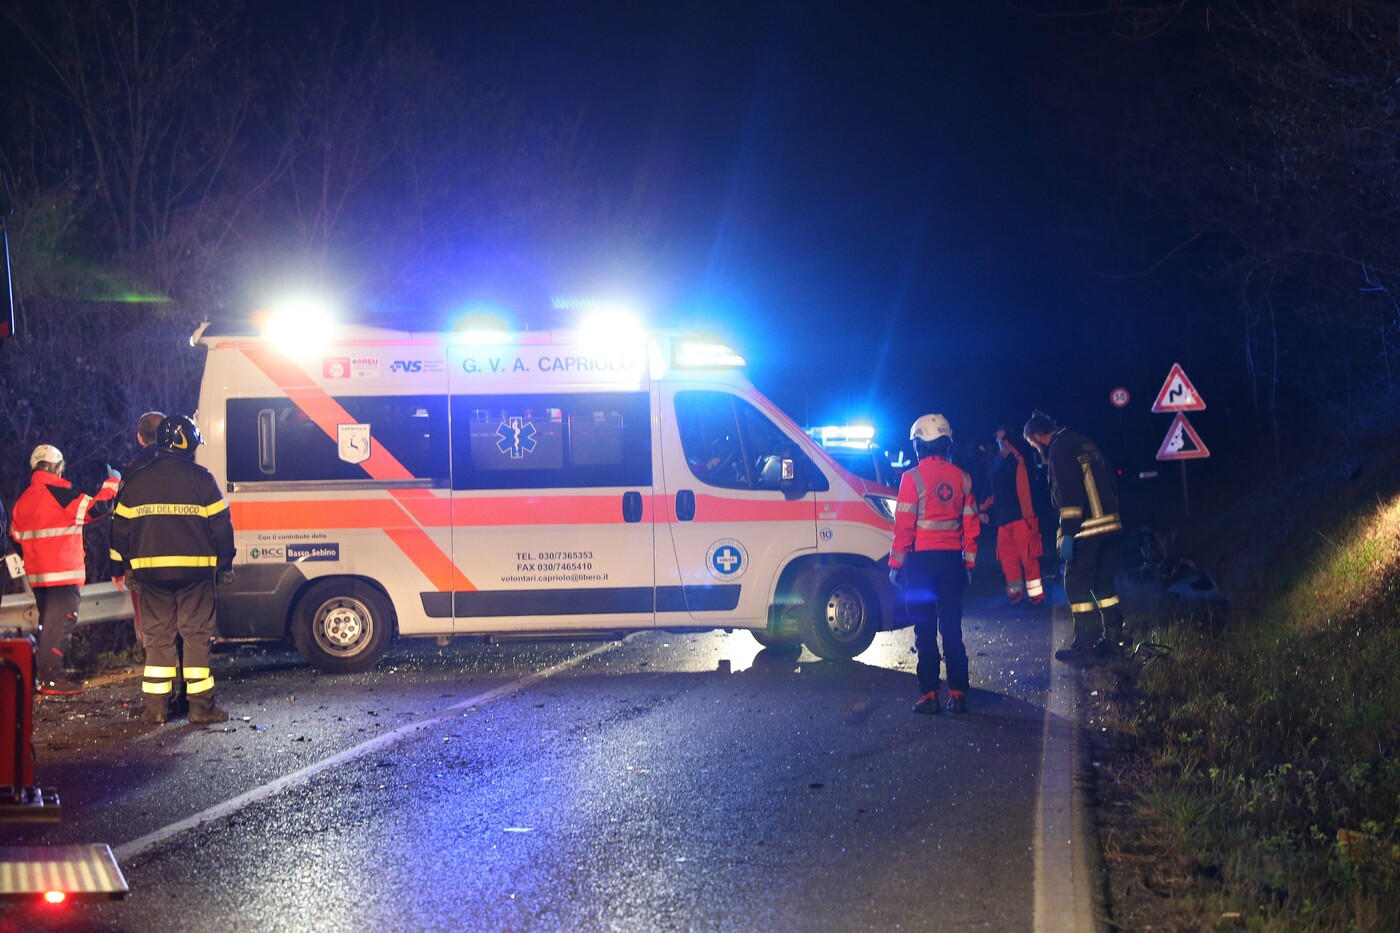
841, 614
342, 626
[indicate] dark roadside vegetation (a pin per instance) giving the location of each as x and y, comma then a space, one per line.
1250, 778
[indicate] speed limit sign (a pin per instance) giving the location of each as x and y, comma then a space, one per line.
1119, 397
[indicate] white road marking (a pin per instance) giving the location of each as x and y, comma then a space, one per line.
140, 846
1064, 885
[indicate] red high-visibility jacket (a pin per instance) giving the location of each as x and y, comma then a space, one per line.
48, 526
935, 512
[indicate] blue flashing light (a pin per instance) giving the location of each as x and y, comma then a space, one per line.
847, 436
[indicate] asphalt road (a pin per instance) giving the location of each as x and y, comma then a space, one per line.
664, 782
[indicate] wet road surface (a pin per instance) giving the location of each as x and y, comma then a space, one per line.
662, 782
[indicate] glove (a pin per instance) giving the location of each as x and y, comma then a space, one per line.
225, 577
112, 473
1066, 549
894, 576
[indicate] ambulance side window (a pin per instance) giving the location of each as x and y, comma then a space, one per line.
271, 439
710, 438
551, 441
730, 443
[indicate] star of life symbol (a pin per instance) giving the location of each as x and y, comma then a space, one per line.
727, 559
517, 437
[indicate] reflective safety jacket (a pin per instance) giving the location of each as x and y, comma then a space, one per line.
48, 526
171, 523
1082, 487
935, 512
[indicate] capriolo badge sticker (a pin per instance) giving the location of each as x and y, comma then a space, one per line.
727, 559
354, 442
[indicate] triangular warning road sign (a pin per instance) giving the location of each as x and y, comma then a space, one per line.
1178, 394
1182, 442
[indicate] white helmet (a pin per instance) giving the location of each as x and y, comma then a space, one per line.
45, 453
930, 428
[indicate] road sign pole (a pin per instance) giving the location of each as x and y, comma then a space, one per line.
1185, 495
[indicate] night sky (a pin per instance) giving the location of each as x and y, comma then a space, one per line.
864, 196
888, 207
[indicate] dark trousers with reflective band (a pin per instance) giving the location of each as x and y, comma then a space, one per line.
187, 611
934, 583
58, 615
1091, 592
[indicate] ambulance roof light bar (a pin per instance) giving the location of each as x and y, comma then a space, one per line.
693, 353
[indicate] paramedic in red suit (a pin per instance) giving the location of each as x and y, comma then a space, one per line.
48, 527
935, 545
1018, 530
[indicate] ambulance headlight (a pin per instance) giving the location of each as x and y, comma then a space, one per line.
882, 504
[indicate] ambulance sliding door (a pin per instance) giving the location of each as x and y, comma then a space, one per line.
735, 521
551, 510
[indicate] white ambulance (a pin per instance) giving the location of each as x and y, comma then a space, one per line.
533, 485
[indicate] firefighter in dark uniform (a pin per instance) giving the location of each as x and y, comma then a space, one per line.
173, 537
1084, 491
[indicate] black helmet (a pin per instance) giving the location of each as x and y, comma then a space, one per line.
179, 434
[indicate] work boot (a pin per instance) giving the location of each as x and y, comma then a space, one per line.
154, 710
928, 704
203, 710
957, 701
1078, 655
1111, 650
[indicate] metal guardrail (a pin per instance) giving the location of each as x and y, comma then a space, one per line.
99, 602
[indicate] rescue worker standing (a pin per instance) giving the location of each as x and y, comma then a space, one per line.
48, 526
935, 543
173, 536
1018, 530
1084, 491
146, 427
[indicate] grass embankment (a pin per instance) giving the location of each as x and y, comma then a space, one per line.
1259, 778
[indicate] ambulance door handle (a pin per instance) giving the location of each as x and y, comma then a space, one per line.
631, 506
685, 505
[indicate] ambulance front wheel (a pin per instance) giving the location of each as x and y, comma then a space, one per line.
342, 626
841, 614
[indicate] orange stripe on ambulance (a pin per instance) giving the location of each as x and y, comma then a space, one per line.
391, 484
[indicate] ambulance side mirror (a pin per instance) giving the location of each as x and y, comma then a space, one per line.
792, 483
